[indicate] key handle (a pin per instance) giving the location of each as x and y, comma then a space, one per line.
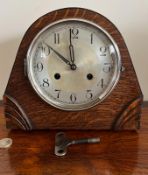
62, 142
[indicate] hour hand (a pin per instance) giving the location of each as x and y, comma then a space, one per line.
72, 55
58, 54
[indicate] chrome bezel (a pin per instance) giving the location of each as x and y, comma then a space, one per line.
74, 107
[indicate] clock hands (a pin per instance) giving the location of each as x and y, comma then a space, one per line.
71, 50
59, 55
72, 65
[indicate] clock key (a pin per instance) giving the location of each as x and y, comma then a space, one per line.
62, 142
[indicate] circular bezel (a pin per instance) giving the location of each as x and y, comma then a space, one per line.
74, 107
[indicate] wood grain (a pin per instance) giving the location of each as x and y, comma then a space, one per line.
24, 109
119, 153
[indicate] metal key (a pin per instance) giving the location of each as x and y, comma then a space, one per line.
61, 143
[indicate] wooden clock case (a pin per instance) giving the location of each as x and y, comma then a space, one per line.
26, 110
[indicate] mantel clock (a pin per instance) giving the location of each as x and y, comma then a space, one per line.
73, 71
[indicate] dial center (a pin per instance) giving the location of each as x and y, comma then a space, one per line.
73, 67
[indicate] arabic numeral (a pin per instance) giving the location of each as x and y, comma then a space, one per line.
101, 83
73, 98
56, 38
91, 40
39, 67
107, 67
44, 50
45, 82
74, 33
103, 50
58, 93
89, 94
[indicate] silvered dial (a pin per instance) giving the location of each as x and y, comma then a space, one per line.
73, 64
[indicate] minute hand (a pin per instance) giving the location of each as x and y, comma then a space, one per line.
59, 55
71, 49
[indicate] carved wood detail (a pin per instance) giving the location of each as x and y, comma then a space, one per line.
131, 114
15, 114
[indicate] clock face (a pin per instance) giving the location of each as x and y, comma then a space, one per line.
73, 64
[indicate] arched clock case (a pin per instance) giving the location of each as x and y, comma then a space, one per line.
73, 71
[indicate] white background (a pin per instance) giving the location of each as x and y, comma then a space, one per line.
130, 17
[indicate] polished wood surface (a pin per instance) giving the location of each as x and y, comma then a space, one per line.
119, 153
25, 109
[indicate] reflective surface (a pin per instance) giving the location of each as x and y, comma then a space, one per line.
124, 153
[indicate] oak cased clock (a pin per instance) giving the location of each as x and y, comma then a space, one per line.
73, 71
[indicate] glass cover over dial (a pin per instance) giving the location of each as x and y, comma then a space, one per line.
73, 64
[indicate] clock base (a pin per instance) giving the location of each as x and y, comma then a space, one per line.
129, 119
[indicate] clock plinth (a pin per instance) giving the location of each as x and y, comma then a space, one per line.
24, 109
